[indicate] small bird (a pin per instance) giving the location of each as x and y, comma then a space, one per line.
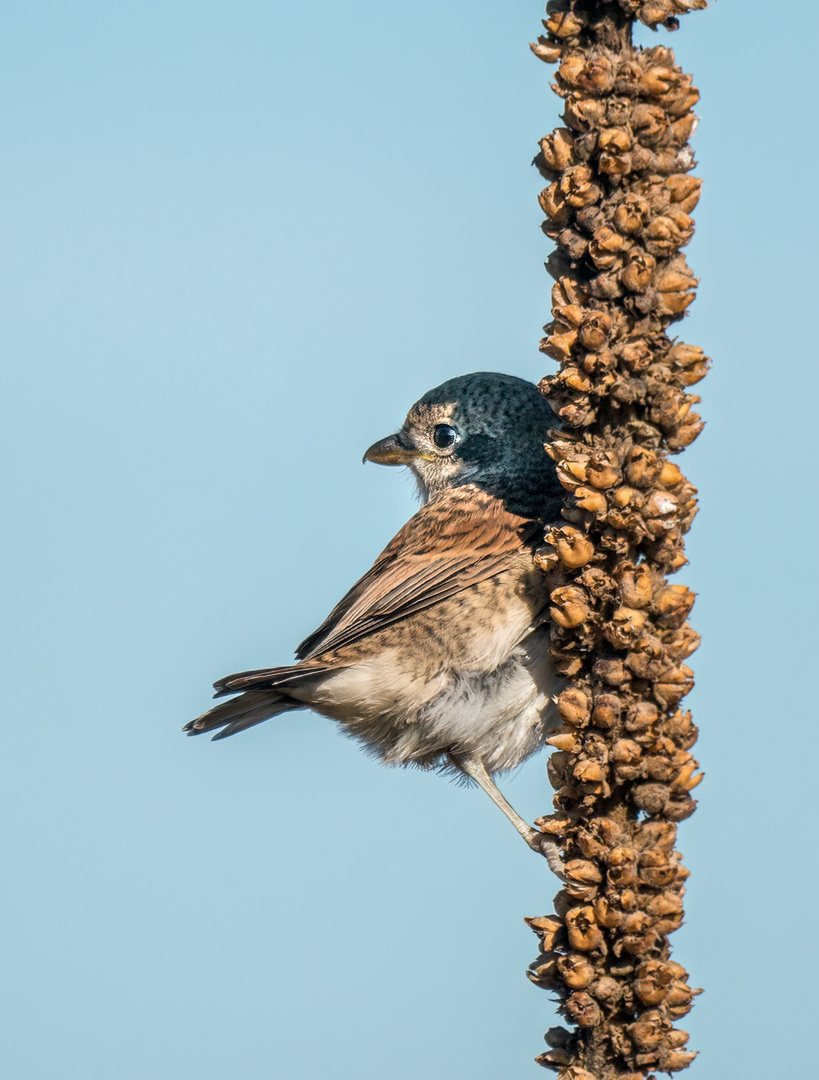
438, 657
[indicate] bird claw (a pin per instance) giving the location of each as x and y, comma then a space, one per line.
541, 843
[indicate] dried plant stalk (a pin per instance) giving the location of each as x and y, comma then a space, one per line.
618, 205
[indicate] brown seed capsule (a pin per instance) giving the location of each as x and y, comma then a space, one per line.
641, 716
583, 871
649, 1031
631, 214
581, 926
605, 251
546, 51
672, 686
543, 971
557, 769
625, 627
574, 549
606, 915
546, 926
578, 187
667, 903
589, 499
675, 1060
607, 990
554, 204
576, 971
575, 1072
611, 671
593, 74
636, 275
662, 237
564, 24
636, 355
553, 824
563, 740
651, 797
626, 496
635, 585
583, 113
546, 559
558, 1036
622, 866
606, 712
553, 1059
569, 606
615, 157
574, 707
684, 190
584, 1010
655, 834
626, 751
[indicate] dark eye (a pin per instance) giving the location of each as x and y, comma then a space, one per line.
444, 436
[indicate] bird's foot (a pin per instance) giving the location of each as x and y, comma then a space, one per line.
541, 843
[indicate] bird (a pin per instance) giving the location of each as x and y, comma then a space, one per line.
438, 656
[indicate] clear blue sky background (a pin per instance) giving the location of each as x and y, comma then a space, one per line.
238, 240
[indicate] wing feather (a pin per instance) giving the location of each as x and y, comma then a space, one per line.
455, 541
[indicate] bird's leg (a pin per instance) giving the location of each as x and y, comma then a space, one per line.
535, 839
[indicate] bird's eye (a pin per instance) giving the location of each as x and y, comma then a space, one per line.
444, 436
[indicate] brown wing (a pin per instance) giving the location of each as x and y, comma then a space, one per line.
456, 540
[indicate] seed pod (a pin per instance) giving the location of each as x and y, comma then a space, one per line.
548, 928
565, 24
622, 866
576, 970
547, 51
578, 187
636, 275
635, 585
584, 1010
606, 712
573, 548
684, 191
651, 797
583, 871
543, 971
554, 204
574, 707
569, 606
575, 1072
553, 1059
583, 113
584, 933
563, 740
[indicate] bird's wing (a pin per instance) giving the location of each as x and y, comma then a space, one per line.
457, 540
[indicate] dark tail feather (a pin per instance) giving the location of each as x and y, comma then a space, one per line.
269, 678
240, 713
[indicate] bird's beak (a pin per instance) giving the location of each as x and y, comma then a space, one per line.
392, 451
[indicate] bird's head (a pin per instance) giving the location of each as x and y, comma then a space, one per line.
485, 429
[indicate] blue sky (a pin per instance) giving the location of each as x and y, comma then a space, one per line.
239, 240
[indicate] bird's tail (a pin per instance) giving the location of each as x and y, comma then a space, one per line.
263, 695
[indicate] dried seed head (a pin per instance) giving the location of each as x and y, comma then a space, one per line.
650, 797
565, 24
574, 549
576, 970
563, 740
553, 1059
547, 51
583, 931
569, 606
606, 712
584, 1010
